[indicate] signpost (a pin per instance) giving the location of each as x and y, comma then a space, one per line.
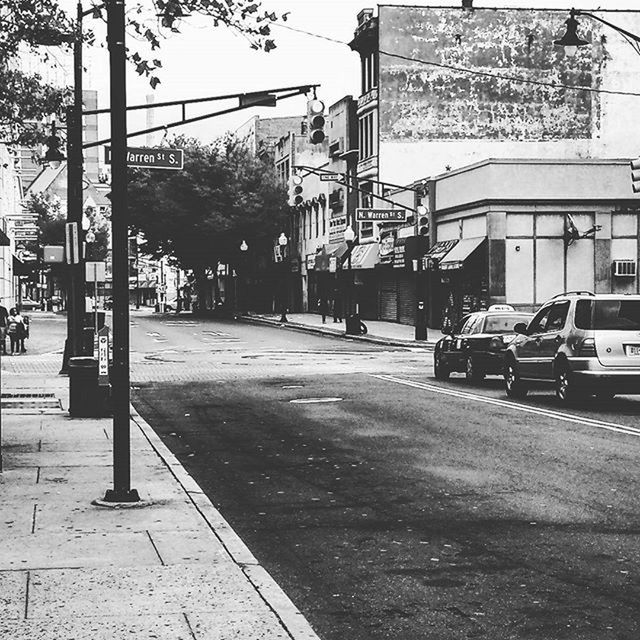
329, 177
381, 215
103, 357
151, 157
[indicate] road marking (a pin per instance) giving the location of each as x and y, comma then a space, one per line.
314, 400
508, 404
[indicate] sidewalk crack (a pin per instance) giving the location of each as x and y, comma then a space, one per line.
33, 520
26, 597
191, 631
153, 544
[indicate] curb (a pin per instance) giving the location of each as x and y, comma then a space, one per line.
292, 620
296, 326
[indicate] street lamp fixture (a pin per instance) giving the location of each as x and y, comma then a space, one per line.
53, 157
282, 242
244, 246
571, 40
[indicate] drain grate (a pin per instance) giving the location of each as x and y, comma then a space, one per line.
30, 401
28, 395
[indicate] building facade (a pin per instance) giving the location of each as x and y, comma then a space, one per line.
443, 89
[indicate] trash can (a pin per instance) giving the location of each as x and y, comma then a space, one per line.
86, 398
353, 325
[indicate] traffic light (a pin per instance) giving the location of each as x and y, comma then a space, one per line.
423, 220
295, 190
315, 121
635, 175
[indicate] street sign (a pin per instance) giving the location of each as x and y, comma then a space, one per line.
53, 253
329, 177
72, 244
103, 357
259, 99
151, 157
95, 271
381, 215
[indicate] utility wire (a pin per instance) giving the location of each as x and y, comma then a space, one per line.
552, 85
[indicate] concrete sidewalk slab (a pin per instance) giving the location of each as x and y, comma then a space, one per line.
71, 570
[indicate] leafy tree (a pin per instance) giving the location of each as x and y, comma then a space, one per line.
27, 24
200, 215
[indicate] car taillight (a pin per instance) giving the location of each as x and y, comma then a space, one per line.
587, 348
496, 343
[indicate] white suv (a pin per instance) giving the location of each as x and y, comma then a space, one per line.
583, 342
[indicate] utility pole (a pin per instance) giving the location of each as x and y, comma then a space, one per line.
122, 491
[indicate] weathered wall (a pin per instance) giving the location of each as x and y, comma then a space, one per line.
432, 117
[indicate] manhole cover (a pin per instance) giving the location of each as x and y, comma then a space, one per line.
314, 400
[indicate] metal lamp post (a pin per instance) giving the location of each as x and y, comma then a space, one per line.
352, 318
244, 247
282, 242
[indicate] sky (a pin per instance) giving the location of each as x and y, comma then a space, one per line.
204, 61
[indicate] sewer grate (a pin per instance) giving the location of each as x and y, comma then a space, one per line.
27, 395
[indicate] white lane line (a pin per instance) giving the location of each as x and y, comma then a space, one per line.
566, 417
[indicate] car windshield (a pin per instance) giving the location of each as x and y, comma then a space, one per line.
620, 315
505, 323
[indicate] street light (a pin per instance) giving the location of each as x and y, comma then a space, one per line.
571, 41
352, 318
53, 157
282, 242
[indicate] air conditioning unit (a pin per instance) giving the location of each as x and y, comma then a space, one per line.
625, 268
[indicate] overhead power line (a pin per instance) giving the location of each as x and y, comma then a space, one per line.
477, 72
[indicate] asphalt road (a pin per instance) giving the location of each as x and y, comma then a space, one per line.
389, 505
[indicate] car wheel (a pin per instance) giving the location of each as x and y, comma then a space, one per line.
472, 372
514, 386
440, 369
566, 390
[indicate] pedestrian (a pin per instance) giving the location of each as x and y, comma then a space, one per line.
323, 307
15, 328
4, 317
337, 305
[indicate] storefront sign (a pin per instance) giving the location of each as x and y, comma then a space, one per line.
387, 245
311, 261
398, 253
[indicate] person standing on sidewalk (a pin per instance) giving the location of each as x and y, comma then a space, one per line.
337, 304
4, 317
15, 327
323, 307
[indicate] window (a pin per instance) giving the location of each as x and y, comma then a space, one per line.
503, 324
369, 72
367, 142
539, 322
614, 315
557, 317
317, 223
324, 221
466, 324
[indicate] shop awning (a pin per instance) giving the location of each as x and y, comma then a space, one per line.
461, 252
20, 268
440, 249
364, 256
4, 239
330, 251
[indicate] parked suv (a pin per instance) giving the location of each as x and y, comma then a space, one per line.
583, 342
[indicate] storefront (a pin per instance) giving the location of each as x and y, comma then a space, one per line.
522, 231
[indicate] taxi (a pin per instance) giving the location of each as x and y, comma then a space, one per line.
477, 343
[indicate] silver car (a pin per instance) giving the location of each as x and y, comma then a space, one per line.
584, 343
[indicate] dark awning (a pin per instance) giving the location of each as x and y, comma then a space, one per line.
20, 268
329, 251
440, 249
4, 239
463, 250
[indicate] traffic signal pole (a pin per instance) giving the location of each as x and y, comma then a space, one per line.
122, 491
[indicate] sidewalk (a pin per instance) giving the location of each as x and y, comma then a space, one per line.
388, 333
69, 570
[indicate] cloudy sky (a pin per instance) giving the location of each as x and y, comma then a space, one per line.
204, 61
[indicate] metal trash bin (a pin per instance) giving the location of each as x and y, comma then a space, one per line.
86, 398
353, 325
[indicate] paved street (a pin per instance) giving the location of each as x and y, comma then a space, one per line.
388, 505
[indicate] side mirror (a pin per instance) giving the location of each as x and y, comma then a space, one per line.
521, 328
